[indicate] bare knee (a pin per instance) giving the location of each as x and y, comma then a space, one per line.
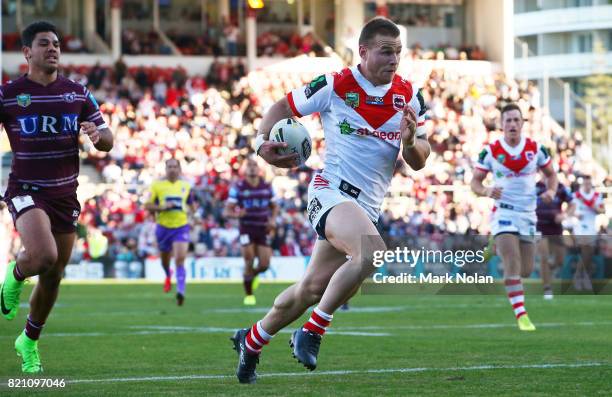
307, 293
51, 278
263, 263
44, 260
367, 255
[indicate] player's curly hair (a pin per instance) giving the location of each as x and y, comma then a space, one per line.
378, 25
29, 33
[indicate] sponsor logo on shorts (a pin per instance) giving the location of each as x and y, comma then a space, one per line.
314, 207
504, 222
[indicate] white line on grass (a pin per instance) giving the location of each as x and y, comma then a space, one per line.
348, 331
342, 372
470, 326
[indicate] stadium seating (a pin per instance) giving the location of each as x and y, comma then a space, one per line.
208, 123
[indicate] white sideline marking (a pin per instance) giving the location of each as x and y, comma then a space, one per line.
342, 372
470, 326
174, 329
370, 309
348, 331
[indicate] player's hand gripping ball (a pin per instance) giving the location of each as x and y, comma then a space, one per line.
295, 135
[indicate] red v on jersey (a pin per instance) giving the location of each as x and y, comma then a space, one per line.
376, 115
588, 203
514, 163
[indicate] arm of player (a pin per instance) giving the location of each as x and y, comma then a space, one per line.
152, 203
154, 207
479, 188
231, 210
102, 139
415, 149
552, 182
274, 210
268, 150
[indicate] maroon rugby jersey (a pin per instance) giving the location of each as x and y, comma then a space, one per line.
255, 200
43, 123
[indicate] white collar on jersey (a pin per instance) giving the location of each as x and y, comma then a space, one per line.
516, 150
369, 88
586, 195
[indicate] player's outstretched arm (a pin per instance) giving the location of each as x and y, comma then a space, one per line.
268, 150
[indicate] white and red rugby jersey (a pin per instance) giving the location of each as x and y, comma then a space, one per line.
514, 169
361, 124
586, 203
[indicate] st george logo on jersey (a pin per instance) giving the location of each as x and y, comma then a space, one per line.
399, 102
529, 155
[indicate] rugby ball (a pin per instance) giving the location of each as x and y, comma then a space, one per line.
295, 135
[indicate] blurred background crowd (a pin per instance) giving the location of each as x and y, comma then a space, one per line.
208, 123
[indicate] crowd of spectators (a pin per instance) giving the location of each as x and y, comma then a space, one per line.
136, 42
447, 52
208, 122
70, 43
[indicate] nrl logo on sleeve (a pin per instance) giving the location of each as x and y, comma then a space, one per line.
24, 100
399, 102
352, 99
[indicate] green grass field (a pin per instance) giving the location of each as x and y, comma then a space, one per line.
132, 340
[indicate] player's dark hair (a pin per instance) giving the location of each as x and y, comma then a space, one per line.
378, 25
173, 159
510, 107
29, 33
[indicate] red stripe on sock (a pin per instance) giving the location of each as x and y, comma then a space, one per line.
320, 320
516, 293
260, 341
517, 305
521, 314
313, 328
512, 281
253, 344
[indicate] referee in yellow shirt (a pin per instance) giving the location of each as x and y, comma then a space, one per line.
170, 199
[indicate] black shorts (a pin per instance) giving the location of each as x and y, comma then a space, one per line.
63, 212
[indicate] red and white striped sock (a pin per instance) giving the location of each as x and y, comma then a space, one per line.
514, 289
257, 338
318, 322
